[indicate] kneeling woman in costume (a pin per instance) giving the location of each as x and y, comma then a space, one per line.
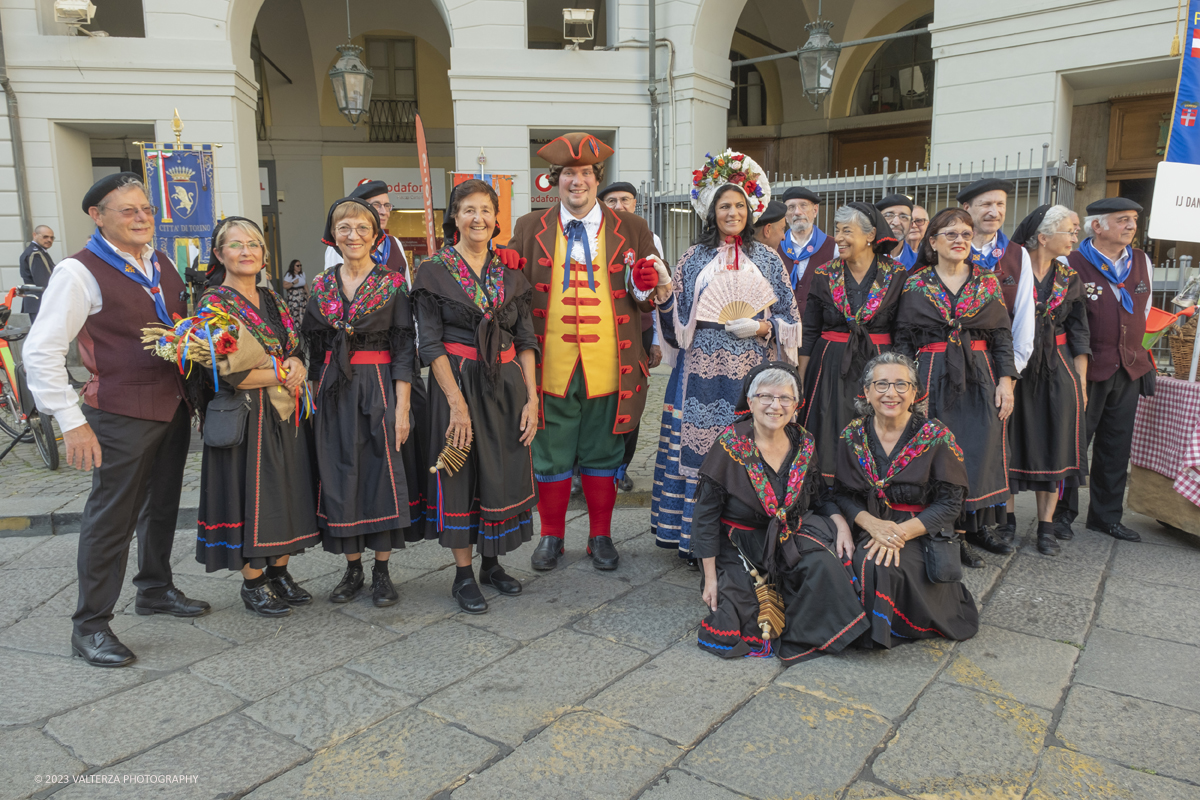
477, 336
360, 332
901, 481
763, 517
256, 495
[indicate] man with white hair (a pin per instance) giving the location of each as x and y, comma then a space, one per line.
805, 246
1116, 286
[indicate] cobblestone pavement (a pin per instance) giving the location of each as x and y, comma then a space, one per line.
1082, 683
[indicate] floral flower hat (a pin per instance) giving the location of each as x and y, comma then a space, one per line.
730, 167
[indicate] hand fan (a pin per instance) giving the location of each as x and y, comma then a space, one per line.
734, 294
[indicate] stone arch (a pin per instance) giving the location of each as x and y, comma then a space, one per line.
852, 64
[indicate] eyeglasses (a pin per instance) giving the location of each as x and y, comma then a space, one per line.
954, 236
363, 231
784, 401
892, 215
238, 247
917, 223
130, 213
382, 208
902, 387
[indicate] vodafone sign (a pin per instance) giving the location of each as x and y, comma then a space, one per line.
404, 185
545, 193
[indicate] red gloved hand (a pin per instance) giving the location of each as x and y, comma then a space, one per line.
645, 275
510, 258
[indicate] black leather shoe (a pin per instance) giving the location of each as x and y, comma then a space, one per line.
351, 584
1007, 533
1047, 544
625, 484
102, 649
968, 555
289, 591
500, 580
547, 553
603, 553
173, 602
1063, 530
989, 540
1115, 530
469, 598
383, 592
263, 600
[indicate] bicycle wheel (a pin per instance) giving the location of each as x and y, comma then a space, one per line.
43, 437
10, 412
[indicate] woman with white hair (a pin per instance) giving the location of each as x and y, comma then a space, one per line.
1049, 442
847, 321
731, 307
764, 516
901, 482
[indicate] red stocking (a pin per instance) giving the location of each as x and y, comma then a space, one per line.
552, 507
600, 491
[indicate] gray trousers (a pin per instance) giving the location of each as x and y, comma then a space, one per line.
136, 487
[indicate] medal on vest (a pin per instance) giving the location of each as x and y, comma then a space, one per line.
1093, 291
1142, 288
1009, 280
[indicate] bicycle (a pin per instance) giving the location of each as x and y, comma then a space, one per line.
19, 417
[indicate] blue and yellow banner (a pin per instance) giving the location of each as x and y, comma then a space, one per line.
1183, 146
181, 182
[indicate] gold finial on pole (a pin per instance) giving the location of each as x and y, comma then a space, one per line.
177, 126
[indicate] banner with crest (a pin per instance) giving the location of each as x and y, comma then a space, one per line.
180, 177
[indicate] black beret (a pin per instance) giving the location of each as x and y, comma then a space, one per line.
973, 190
893, 200
102, 187
368, 189
800, 193
1111, 205
619, 186
775, 211
1026, 231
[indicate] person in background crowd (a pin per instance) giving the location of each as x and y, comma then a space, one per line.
805, 246
1048, 424
771, 226
295, 290
848, 321
362, 361
477, 338
257, 498
389, 251
952, 320
593, 271
36, 265
916, 230
1116, 284
622, 196
986, 200
134, 426
901, 483
897, 210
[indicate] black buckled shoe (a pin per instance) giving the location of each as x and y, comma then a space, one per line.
603, 553
1115, 530
1007, 533
263, 600
547, 553
349, 587
469, 598
383, 592
173, 602
1047, 543
102, 649
989, 540
968, 555
289, 591
500, 580
1063, 530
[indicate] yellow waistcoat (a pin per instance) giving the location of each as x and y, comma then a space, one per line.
581, 326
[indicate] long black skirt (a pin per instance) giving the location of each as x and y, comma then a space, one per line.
488, 504
822, 611
1047, 434
368, 492
903, 604
257, 499
829, 400
975, 422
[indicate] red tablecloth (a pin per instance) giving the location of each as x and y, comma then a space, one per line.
1166, 435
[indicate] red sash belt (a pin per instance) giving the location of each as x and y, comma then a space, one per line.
914, 509
844, 336
1060, 339
471, 354
940, 347
366, 357
736, 526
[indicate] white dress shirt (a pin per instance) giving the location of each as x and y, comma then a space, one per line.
72, 296
1022, 318
1119, 264
591, 226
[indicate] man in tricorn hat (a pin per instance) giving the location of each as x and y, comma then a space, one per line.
594, 271
134, 426
390, 251
805, 246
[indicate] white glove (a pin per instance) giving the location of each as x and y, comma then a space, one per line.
664, 277
742, 328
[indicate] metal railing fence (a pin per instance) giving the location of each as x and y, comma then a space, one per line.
392, 120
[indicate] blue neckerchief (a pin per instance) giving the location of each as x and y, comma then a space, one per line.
797, 253
907, 257
381, 254
990, 259
577, 233
105, 252
1109, 269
